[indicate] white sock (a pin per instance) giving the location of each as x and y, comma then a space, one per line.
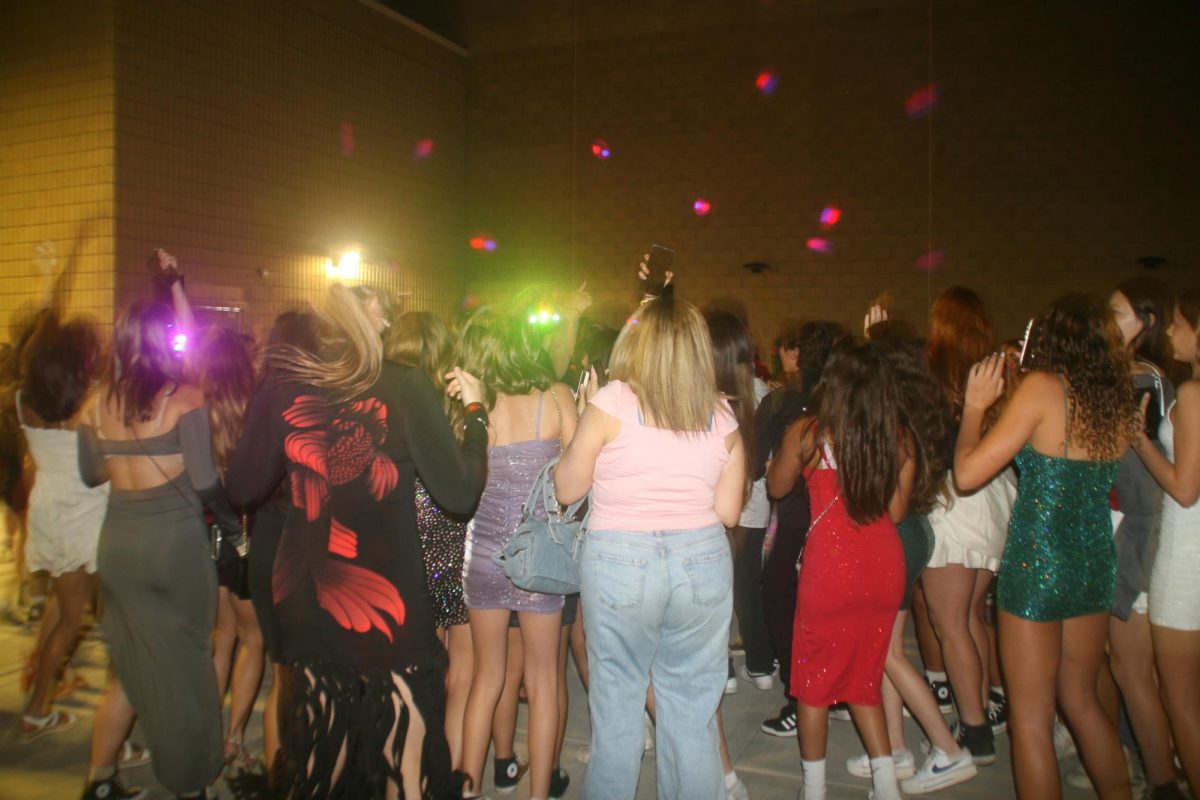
996, 690
731, 779
883, 778
934, 676
814, 779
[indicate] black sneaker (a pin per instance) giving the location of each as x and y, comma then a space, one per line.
943, 694
997, 713
783, 725
980, 740
559, 781
112, 789
508, 773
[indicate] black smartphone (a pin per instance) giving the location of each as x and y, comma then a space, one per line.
659, 263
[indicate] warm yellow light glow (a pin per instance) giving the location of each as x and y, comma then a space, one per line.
346, 268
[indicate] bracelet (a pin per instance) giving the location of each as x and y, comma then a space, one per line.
471, 408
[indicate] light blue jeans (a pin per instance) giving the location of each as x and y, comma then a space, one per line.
656, 607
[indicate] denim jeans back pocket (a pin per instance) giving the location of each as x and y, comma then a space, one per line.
619, 580
711, 575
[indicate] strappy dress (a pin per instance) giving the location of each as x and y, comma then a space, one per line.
64, 514
160, 596
512, 469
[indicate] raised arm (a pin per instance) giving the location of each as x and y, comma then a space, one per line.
977, 458
453, 475
257, 463
1180, 480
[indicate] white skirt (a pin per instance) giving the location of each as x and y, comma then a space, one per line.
971, 529
1175, 579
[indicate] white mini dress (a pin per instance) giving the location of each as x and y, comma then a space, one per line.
1175, 579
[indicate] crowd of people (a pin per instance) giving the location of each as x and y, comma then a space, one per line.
330, 503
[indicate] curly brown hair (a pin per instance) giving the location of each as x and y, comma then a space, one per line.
1078, 339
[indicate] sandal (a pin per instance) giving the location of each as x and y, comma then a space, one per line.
238, 760
132, 755
54, 722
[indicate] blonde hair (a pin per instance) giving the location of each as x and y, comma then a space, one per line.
665, 355
351, 354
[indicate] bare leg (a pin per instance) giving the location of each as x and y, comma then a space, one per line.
949, 592
71, 591
271, 719
579, 647
114, 718
489, 640
1131, 653
540, 633
504, 721
872, 728
1029, 653
726, 762
224, 638
247, 669
1096, 737
904, 683
979, 632
458, 686
813, 724
1178, 655
564, 643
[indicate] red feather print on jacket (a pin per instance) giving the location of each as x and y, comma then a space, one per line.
333, 446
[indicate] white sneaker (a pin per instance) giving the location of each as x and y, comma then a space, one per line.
939, 771
763, 682
583, 753
860, 766
839, 713
731, 685
737, 792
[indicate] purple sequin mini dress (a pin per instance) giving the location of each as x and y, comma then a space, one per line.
512, 469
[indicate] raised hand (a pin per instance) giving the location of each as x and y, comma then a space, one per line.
985, 383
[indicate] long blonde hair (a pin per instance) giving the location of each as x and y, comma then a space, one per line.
351, 351
665, 355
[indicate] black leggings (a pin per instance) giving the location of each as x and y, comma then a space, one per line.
748, 598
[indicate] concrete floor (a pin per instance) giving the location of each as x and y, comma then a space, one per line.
54, 767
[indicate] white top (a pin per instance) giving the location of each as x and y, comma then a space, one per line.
757, 511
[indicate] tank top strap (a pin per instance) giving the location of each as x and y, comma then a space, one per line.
827, 456
1066, 415
537, 420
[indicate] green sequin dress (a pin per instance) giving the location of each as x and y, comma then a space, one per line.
1059, 561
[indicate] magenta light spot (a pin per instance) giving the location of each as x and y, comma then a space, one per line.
701, 207
922, 101
482, 243
930, 261
424, 148
819, 245
766, 82
179, 342
830, 216
347, 139
600, 149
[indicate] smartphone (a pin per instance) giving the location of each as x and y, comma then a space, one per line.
1025, 344
584, 378
1155, 409
659, 263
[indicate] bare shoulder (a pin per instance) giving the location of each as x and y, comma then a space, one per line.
1188, 394
562, 393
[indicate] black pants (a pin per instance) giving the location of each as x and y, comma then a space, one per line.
779, 579
748, 599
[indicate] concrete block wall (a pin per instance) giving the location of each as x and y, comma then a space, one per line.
1060, 150
254, 140
56, 159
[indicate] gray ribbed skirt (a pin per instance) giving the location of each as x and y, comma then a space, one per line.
160, 592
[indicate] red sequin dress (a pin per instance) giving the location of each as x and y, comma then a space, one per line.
850, 588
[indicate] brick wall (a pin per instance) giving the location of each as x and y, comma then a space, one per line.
253, 139
250, 139
1061, 149
56, 159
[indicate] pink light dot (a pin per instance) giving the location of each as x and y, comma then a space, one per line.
930, 261
766, 82
600, 149
701, 207
489, 245
347, 139
424, 148
819, 245
830, 216
922, 101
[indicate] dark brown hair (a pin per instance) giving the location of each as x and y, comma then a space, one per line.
226, 376
57, 364
733, 358
859, 413
140, 363
1078, 339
